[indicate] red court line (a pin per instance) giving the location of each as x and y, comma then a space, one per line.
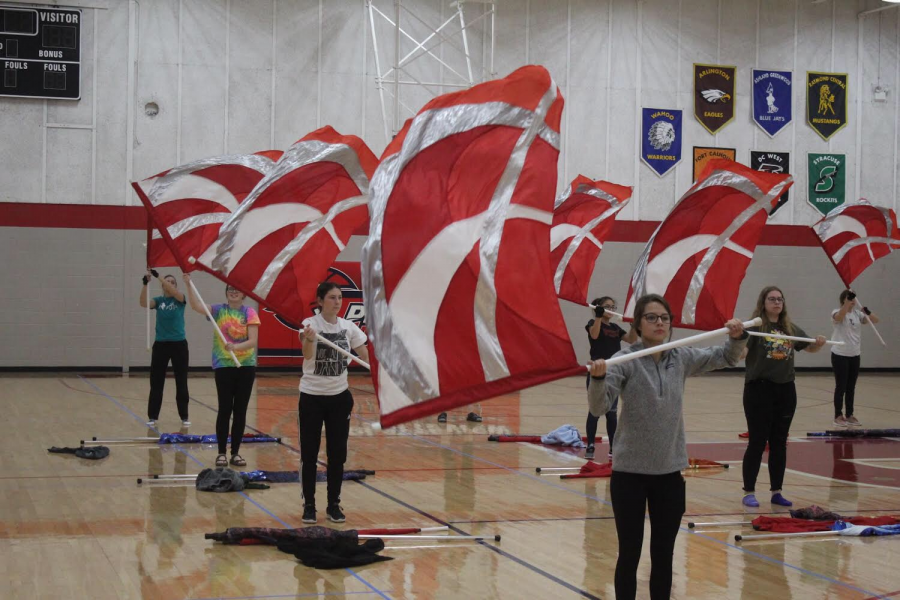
888, 595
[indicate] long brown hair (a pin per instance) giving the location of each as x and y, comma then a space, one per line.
784, 321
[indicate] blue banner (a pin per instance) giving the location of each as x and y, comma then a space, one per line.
771, 95
661, 139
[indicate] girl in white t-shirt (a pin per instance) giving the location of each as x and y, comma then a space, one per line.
847, 321
325, 398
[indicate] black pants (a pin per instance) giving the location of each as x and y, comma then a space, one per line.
334, 412
163, 352
612, 421
769, 408
846, 372
664, 497
234, 386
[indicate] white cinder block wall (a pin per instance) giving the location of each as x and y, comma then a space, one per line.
246, 75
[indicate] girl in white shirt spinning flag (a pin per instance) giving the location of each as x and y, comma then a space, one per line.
325, 398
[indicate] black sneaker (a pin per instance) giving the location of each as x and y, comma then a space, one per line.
589, 453
309, 514
473, 417
442, 418
334, 513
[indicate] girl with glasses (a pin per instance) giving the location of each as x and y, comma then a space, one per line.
770, 396
651, 450
605, 339
234, 383
847, 322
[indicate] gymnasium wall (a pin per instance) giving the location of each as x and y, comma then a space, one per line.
231, 76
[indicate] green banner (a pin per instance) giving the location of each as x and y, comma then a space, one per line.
827, 177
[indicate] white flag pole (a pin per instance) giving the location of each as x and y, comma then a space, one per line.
676, 344
794, 338
213, 323
874, 329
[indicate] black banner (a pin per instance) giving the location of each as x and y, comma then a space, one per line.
826, 102
772, 162
713, 95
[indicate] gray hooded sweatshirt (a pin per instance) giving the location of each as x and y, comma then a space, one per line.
650, 436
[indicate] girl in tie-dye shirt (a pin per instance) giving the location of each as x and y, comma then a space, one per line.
234, 384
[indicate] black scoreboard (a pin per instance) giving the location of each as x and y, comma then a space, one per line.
40, 52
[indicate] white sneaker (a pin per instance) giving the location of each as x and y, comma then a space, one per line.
185, 423
840, 421
151, 423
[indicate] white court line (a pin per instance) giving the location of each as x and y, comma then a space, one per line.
842, 481
866, 462
552, 452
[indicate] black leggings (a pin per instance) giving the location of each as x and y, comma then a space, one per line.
612, 421
769, 408
334, 412
234, 386
664, 496
163, 352
846, 372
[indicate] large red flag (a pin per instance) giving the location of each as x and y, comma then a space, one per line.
583, 217
277, 247
458, 283
188, 204
855, 235
698, 255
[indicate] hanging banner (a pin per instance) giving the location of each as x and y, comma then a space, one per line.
771, 97
714, 95
772, 162
826, 102
704, 154
661, 139
827, 181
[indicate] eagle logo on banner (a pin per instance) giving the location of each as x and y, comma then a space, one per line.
698, 255
857, 234
583, 217
456, 268
771, 96
714, 95
826, 102
279, 244
188, 204
661, 139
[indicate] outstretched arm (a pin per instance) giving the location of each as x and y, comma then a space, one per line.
142, 299
192, 297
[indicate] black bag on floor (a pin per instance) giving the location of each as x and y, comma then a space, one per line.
88, 452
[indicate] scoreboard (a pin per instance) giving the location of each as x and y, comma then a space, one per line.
40, 52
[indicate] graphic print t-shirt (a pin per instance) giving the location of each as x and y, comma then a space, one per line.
608, 342
772, 359
169, 319
327, 375
233, 323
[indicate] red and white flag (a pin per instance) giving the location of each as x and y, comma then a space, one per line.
189, 203
855, 235
698, 255
583, 217
278, 245
459, 294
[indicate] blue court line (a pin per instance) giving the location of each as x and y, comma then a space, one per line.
374, 589
516, 559
284, 596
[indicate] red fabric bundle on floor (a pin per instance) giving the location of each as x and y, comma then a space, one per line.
591, 469
789, 525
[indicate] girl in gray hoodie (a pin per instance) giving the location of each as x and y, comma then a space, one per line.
650, 447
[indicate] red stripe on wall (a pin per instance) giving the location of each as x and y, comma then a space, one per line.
80, 216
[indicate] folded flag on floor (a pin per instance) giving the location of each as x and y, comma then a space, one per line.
855, 433
294, 476
590, 469
88, 452
865, 530
317, 547
184, 438
530, 439
792, 525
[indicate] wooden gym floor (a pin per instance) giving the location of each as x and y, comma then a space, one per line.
72, 528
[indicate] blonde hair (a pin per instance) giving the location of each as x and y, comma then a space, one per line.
784, 321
